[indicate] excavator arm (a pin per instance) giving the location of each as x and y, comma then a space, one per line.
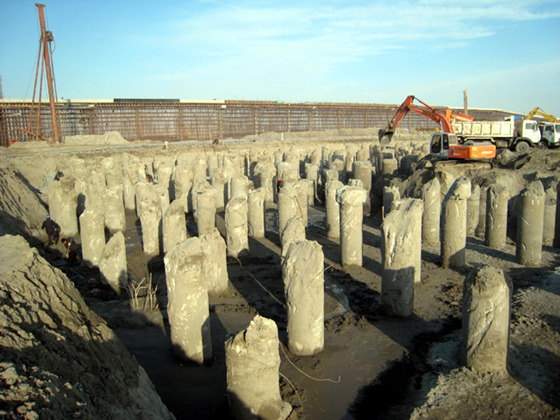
546, 115
385, 135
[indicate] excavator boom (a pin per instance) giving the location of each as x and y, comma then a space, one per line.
546, 115
444, 120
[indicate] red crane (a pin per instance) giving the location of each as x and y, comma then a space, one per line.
44, 62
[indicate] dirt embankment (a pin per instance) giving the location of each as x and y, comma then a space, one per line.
58, 359
21, 210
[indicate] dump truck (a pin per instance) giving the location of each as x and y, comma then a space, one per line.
514, 133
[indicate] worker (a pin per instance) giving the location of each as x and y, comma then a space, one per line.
279, 185
72, 249
52, 228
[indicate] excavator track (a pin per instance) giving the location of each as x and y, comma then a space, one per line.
475, 165
440, 164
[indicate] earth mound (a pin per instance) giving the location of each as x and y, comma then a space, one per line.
58, 358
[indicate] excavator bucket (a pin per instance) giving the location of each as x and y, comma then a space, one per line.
385, 136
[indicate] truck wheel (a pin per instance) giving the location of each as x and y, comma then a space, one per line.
522, 147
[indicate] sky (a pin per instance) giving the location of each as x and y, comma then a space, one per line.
505, 53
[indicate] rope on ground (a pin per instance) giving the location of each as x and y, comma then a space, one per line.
260, 284
305, 374
293, 387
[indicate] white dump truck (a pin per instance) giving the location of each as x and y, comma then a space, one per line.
514, 133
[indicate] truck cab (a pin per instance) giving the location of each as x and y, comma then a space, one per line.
527, 130
550, 133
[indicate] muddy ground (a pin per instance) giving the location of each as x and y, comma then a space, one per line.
373, 366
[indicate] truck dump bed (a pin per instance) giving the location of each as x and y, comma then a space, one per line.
493, 129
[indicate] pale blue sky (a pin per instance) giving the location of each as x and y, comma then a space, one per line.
506, 53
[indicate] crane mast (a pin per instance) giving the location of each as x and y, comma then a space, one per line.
44, 62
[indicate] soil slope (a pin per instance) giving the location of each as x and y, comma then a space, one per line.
58, 359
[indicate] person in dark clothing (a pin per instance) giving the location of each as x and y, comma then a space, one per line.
279, 185
52, 228
72, 249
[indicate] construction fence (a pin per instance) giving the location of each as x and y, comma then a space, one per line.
184, 121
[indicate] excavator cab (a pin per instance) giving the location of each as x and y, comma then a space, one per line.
439, 145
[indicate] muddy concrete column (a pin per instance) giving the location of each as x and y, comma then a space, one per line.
454, 224
302, 271
402, 257
549, 216
256, 213
239, 186
497, 198
351, 200
486, 315
301, 189
480, 230
391, 194
92, 233
308, 186
237, 226
113, 208
330, 175
187, 288
294, 231
287, 207
215, 262
337, 164
206, 210
363, 154
182, 181
265, 171
253, 381
163, 194
364, 172
389, 166
473, 209
112, 264
446, 181
63, 202
149, 212
530, 225
332, 209
312, 173
219, 182
290, 178
431, 195
174, 227
129, 194
282, 168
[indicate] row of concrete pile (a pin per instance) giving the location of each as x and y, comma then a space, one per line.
350, 182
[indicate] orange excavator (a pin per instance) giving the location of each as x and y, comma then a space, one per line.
445, 144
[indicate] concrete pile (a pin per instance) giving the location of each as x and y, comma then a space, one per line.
187, 287
401, 253
302, 271
253, 363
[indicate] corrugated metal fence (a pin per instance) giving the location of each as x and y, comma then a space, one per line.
179, 121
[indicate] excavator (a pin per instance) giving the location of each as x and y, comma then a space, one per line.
444, 145
541, 112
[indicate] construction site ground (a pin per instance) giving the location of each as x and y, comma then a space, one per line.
373, 366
